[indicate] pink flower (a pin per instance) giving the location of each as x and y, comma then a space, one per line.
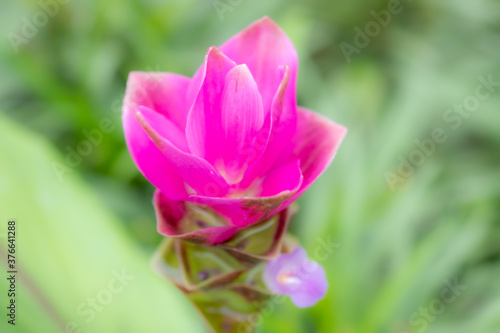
294, 275
231, 138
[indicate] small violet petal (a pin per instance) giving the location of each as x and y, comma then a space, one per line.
296, 276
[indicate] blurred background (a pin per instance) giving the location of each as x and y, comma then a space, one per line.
412, 198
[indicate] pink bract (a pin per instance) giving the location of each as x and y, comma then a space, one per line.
231, 138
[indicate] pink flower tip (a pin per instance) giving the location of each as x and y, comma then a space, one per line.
295, 275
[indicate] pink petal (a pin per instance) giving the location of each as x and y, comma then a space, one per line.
316, 143
148, 158
196, 172
280, 179
263, 47
204, 129
196, 82
165, 128
278, 132
163, 92
271, 196
242, 118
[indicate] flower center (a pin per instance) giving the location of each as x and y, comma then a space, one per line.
288, 280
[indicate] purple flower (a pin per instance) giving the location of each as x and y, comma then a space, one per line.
296, 276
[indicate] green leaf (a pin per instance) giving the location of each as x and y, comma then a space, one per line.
77, 269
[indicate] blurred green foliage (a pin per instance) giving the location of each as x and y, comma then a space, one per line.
398, 245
